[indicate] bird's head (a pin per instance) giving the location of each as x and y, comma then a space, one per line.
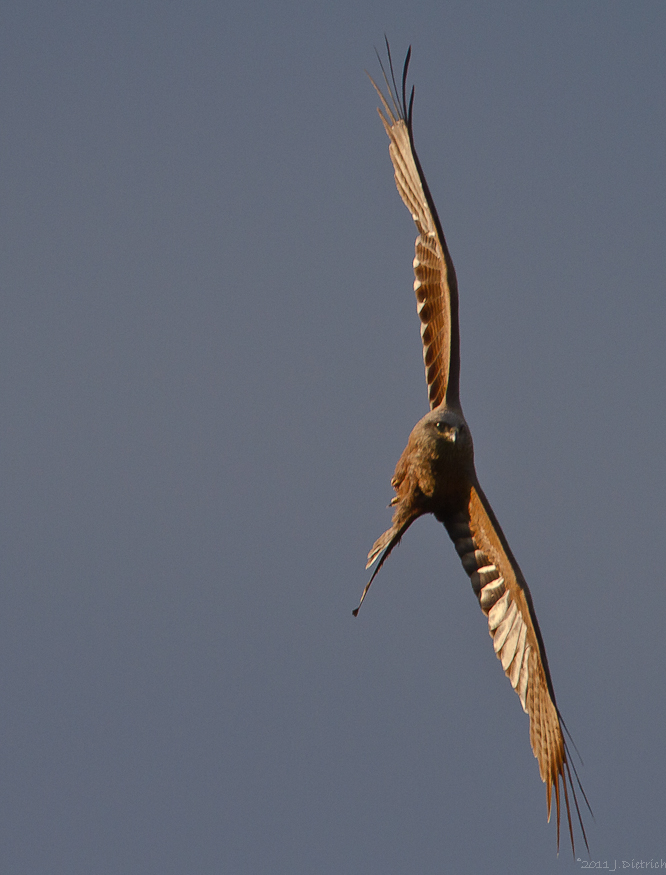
444, 432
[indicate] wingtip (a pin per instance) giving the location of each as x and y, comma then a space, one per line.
564, 773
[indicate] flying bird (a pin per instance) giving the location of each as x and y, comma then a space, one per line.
435, 473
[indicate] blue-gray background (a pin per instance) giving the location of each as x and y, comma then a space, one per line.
210, 364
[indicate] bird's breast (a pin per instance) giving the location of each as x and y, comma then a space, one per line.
443, 478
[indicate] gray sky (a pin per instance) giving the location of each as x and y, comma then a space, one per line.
210, 363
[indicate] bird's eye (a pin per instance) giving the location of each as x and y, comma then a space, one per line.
440, 426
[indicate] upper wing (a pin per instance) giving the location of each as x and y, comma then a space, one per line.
505, 599
435, 285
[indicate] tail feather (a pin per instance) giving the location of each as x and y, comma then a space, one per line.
380, 544
384, 544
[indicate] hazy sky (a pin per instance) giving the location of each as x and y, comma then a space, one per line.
210, 363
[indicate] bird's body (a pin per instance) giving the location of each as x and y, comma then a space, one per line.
432, 474
435, 473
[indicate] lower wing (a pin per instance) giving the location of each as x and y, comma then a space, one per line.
505, 599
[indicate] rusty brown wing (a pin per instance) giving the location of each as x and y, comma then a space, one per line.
505, 599
435, 278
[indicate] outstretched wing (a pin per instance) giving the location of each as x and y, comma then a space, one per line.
505, 599
435, 285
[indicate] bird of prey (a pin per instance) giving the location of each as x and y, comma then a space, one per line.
435, 473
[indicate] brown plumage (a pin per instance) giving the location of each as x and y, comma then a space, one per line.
435, 474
